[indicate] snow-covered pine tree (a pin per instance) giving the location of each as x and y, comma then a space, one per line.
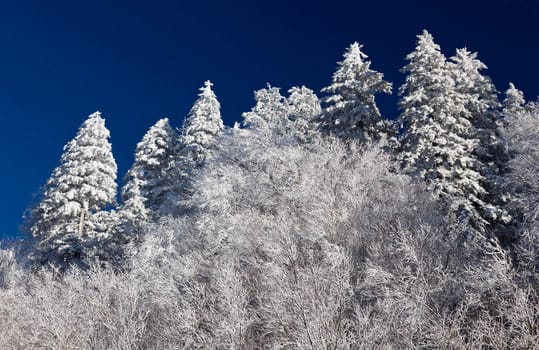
150, 177
133, 207
199, 132
479, 92
304, 107
438, 142
270, 112
84, 183
481, 101
130, 219
201, 126
514, 101
350, 110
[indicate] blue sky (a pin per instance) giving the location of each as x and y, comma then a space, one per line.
138, 61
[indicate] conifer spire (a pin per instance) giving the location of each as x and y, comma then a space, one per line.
350, 110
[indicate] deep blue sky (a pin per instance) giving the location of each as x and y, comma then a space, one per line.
138, 61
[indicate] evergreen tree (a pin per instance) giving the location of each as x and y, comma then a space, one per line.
350, 110
270, 112
198, 137
133, 208
201, 126
439, 142
514, 101
304, 107
479, 92
149, 179
481, 102
84, 183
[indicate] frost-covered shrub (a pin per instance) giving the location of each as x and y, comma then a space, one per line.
7, 268
86, 310
522, 132
290, 247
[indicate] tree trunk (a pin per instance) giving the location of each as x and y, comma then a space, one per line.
81, 222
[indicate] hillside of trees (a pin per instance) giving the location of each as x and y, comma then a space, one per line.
316, 223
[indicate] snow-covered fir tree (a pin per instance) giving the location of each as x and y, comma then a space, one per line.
130, 219
84, 183
513, 102
304, 107
133, 207
199, 133
350, 110
270, 112
481, 102
479, 93
201, 126
150, 177
438, 142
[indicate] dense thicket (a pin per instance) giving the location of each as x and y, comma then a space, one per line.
302, 229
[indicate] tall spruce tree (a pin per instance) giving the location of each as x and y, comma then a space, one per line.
514, 101
201, 126
439, 141
350, 110
149, 179
198, 139
479, 92
481, 102
84, 183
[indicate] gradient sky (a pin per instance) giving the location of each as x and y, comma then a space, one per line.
138, 61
